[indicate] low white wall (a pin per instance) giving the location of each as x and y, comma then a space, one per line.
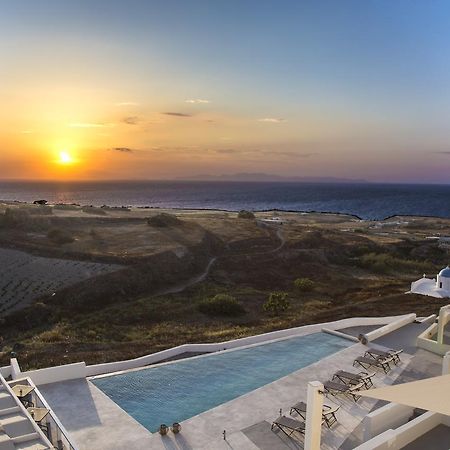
55, 374
339, 334
392, 326
382, 419
99, 369
5, 371
80, 370
424, 341
404, 435
412, 430
431, 318
15, 369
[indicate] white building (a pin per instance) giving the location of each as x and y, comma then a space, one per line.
439, 288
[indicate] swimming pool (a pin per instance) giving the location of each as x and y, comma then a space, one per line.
177, 391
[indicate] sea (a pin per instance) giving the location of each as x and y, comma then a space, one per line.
364, 200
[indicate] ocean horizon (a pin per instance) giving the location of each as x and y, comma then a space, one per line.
364, 200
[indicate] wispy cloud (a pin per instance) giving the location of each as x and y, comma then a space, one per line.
121, 149
89, 125
228, 151
264, 152
176, 114
443, 152
271, 120
132, 120
288, 154
127, 104
197, 101
27, 132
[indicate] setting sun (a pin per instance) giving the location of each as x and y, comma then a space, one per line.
65, 158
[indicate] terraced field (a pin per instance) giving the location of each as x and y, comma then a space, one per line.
25, 277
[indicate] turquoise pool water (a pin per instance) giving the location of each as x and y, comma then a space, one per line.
180, 390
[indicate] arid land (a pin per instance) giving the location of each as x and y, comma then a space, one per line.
132, 286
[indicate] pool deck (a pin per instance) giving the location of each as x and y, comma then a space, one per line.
92, 419
95, 421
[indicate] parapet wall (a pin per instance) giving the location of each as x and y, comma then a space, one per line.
99, 369
396, 439
390, 327
81, 370
432, 339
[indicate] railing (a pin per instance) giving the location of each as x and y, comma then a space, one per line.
50, 425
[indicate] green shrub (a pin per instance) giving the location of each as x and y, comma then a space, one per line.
163, 220
221, 305
54, 335
243, 214
304, 284
277, 303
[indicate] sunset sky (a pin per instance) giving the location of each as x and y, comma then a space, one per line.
163, 89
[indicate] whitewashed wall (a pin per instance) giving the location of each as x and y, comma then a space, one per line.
55, 374
382, 419
394, 325
118, 366
405, 434
81, 370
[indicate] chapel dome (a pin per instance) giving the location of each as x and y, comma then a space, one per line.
445, 273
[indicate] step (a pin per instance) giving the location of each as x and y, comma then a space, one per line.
6, 443
8, 411
6, 400
16, 425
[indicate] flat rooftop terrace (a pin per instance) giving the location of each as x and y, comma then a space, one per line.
95, 421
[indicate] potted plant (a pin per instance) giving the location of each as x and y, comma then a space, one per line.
163, 429
176, 427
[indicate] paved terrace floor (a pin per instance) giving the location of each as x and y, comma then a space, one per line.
422, 364
95, 421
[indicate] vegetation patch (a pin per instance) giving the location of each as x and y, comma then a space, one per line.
277, 303
243, 214
164, 220
20, 219
221, 305
385, 263
304, 284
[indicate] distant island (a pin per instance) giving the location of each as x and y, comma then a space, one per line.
244, 176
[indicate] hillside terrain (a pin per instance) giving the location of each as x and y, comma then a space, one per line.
173, 277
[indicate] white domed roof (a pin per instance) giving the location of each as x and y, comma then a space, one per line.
445, 273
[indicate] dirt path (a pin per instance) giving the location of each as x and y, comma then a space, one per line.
198, 278
194, 280
282, 239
